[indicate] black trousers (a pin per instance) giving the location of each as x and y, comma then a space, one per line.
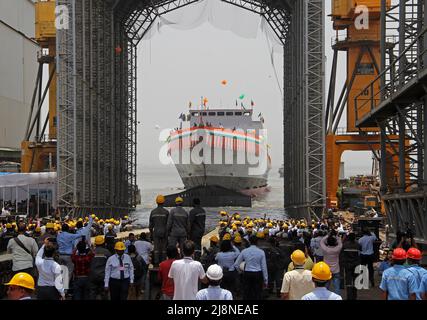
47, 293
119, 289
229, 281
350, 277
369, 261
252, 285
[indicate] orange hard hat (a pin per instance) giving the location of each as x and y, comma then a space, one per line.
399, 254
414, 253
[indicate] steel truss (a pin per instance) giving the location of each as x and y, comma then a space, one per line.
400, 108
96, 63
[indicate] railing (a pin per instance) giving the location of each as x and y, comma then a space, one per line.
400, 71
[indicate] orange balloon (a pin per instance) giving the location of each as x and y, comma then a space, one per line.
224, 82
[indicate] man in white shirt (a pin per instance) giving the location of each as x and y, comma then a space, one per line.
50, 285
321, 274
24, 250
214, 291
186, 274
297, 283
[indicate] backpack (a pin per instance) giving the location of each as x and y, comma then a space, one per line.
138, 266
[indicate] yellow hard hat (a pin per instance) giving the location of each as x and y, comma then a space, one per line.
179, 200
8, 226
38, 229
50, 225
119, 246
237, 217
22, 279
269, 225
110, 227
126, 217
266, 231
80, 219
160, 199
303, 225
238, 222
93, 216
99, 240
298, 257
226, 236
234, 227
238, 239
116, 223
214, 239
96, 219
321, 271
101, 221
223, 213
260, 235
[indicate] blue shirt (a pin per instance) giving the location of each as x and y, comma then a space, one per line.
214, 293
85, 231
226, 259
384, 265
423, 285
419, 273
66, 241
398, 282
254, 261
367, 244
128, 243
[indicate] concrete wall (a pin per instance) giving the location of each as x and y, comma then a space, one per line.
18, 69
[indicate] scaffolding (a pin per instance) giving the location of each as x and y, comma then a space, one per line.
399, 109
96, 65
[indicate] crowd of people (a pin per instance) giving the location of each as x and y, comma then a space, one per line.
247, 258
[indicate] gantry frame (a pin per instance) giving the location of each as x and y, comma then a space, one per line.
400, 109
96, 65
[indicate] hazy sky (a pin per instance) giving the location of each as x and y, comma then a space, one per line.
177, 66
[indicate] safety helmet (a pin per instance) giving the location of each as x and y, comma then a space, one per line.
260, 235
237, 217
223, 213
80, 219
126, 217
160, 199
110, 227
179, 200
38, 229
226, 236
321, 271
414, 253
120, 246
238, 222
399, 254
214, 272
266, 231
22, 279
234, 227
238, 239
298, 257
8, 226
214, 239
101, 221
93, 216
50, 225
269, 225
99, 240
116, 222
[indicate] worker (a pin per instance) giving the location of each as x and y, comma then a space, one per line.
157, 226
119, 273
20, 287
110, 239
225, 259
139, 266
49, 233
367, 252
50, 284
130, 241
255, 270
81, 258
315, 246
24, 250
208, 256
321, 274
6, 236
97, 269
349, 260
413, 258
167, 288
397, 282
144, 248
214, 291
297, 283
331, 246
66, 240
84, 231
178, 224
197, 221
186, 273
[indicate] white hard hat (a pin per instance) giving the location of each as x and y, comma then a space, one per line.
214, 272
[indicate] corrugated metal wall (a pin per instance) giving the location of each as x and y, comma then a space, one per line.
18, 68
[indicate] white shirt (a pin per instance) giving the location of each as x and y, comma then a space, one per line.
214, 293
50, 272
143, 248
321, 293
20, 258
186, 274
112, 268
297, 283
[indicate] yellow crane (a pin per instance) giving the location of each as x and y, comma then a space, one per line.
39, 149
